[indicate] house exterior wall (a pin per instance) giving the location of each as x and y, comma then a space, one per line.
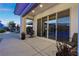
60, 7
74, 20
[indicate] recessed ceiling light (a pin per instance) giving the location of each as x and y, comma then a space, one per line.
33, 11
41, 5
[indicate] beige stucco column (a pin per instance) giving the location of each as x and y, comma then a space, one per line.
73, 20
23, 25
35, 26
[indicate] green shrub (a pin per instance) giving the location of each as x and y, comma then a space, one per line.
2, 30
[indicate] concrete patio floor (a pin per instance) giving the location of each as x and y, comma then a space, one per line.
11, 45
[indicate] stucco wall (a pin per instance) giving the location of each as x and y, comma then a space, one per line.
74, 20
73, 15
23, 25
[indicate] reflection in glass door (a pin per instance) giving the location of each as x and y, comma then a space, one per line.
63, 22
52, 26
44, 27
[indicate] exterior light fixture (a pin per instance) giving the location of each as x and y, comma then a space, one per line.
33, 11
41, 5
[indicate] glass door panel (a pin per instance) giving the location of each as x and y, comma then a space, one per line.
44, 27
52, 26
63, 24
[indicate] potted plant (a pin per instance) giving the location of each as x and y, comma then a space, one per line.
22, 36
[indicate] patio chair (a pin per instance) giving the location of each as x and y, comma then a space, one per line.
65, 50
74, 45
31, 33
74, 41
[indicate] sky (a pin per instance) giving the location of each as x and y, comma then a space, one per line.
7, 13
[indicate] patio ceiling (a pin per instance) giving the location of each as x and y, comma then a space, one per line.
24, 8
38, 9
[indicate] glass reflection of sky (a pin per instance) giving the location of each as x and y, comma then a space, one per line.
60, 20
51, 21
63, 20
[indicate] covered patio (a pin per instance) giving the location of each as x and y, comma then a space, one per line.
11, 45
55, 21
46, 32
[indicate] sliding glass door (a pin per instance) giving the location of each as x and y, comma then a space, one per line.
63, 22
57, 26
52, 26
44, 27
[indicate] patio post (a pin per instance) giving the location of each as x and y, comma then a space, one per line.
23, 25
47, 26
35, 26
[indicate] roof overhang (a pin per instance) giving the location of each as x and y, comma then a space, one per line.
23, 9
